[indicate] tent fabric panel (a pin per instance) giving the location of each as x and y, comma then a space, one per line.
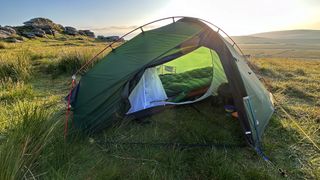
259, 96
219, 75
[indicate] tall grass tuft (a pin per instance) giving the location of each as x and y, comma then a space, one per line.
27, 135
2, 45
70, 61
16, 67
13, 91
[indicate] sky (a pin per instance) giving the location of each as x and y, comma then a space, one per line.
106, 17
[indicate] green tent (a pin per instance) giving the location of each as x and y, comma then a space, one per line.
144, 72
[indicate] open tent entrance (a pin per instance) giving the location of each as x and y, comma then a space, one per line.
186, 79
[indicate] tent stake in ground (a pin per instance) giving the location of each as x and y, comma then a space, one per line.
126, 81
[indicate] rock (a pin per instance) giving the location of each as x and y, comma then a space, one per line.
44, 24
29, 35
38, 22
39, 32
48, 30
110, 38
71, 31
87, 33
81, 32
41, 27
8, 29
6, 32
61, 27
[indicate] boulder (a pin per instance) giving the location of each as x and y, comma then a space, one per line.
29, 35
45, 24
38, 22
6, 32
110, 39
87, 33
8, 29
39, 32
61, 27
71, 31
48, 30
81, 32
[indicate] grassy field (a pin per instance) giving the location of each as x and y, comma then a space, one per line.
292, 51
35, 76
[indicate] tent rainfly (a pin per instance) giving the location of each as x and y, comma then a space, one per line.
128, 80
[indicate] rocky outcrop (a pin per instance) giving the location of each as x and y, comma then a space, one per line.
44, 24
87, 33
39, 32
29, 35
71, 31
110, 38
41, 27
8, 29
6, 32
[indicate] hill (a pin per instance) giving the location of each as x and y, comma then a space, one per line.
292, 43
290, 34
281, 37
253, 40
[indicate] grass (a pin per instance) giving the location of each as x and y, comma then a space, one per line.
299, 94
28, 134
15, 67
69, 63
13, 91
32, 116
2, 45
